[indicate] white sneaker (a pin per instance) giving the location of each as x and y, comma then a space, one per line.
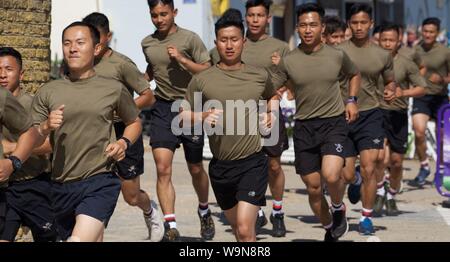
154, 224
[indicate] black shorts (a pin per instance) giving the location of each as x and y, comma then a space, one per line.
29, 204
95, 197
366, 133
429, 105
161, 135
395, 125
2, 209
133, 164
282, 143
240, 180
316, 138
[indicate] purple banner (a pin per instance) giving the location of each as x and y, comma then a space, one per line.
446, 142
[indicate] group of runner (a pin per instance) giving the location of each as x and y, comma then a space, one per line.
73, 147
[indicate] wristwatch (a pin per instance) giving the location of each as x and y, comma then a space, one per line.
16, 163
127, 141
352, 100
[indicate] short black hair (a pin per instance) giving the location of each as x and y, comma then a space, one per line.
253, 3
432, 21
360, 7
98, 20
309, 8
389, 27
333, 24
376, 29
9, 51
153, 3
95, 34
232, 17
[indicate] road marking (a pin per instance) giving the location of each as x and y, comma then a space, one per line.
445, 213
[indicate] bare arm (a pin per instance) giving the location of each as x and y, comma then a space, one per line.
132, 132
145, 99
190, 65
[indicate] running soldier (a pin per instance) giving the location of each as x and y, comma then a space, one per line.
239, 169
321, 119
112, 64
77, 112
366, 135
173, 55
28, 193
409, 84
436, 58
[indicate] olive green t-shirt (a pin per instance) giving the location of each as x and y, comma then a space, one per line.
372, 62
13, 116
436, 60
411, 54
79, 144
121, 68
407, 75
315, 77
35, 165
249, 85
172, 78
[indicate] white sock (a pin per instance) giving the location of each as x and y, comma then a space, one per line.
203, 211
381, 191
277, 207
170, 219
260, 213
391, 194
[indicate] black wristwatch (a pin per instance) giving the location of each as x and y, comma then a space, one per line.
16, 163
127, 141
352, 99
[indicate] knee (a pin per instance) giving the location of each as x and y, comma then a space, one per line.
196, 170
396, 163
332, 179
274, 168
245, 233
419, 134
163, 170
131, 199
367, 170
314, 190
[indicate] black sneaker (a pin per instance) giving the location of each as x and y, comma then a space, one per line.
261, 221
391, 208
170, 234
340, 224
207, 228
329, 237
354, 191
279, 228
379, 203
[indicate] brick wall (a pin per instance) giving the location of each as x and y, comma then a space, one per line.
25, 25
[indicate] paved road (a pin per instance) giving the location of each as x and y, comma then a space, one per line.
422, 219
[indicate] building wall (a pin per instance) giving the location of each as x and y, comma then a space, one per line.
417, 10
25, 26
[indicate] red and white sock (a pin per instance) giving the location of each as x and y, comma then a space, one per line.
277, 207
425, 164
170, 219
366, 213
